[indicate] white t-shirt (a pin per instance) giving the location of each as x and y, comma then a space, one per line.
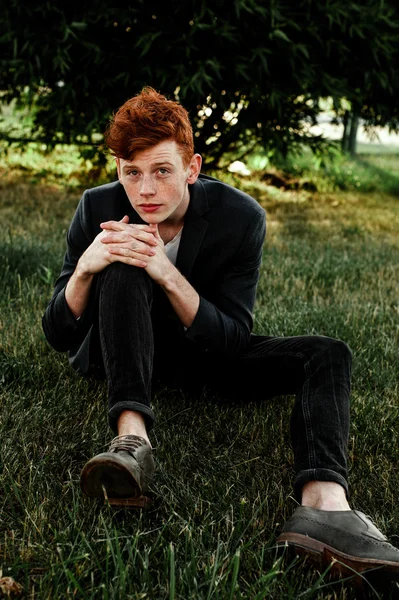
172, 247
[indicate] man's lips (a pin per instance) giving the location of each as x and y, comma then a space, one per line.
150, 207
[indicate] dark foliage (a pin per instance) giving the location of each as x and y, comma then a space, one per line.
267, 63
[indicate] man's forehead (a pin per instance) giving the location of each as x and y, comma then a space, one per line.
165, 152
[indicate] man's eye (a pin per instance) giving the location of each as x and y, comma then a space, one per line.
163, 171
134, 173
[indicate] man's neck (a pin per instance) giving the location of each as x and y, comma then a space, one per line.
172, 225
168, 231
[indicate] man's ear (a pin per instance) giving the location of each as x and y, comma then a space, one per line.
118, 168
194, 168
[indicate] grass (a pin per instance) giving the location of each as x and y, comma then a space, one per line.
334, 172
224, 472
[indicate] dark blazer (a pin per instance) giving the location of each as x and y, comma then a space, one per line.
220, 254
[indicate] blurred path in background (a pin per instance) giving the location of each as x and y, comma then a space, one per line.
381, 140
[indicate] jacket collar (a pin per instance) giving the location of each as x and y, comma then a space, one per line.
194, 229
198, 198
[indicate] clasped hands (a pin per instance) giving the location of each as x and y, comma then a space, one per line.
132, 244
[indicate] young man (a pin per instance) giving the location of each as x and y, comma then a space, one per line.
159, 282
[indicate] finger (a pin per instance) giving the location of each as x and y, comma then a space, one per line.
144, 226
126, 253
124, 219
156, 234
133, 236
115, 237
122, 225
131, 231
128, 250
144, 236
127, 260
114, 225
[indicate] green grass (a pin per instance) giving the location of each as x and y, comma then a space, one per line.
224, 472
333, 172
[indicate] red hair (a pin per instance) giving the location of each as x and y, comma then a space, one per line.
146, 120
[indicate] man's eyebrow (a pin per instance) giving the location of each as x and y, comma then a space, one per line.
156, 164
162, 162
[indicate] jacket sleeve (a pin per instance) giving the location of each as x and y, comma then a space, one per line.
223, 323
60, 327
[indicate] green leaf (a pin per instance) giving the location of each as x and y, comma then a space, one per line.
146, 42
303, 49
79, 25
277, 33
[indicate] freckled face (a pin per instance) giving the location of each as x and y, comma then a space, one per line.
156, 182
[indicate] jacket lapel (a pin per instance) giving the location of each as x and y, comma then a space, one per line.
194, 229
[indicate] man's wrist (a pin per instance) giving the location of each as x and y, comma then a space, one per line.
82, 274
170, 281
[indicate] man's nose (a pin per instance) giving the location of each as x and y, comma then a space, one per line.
147, 187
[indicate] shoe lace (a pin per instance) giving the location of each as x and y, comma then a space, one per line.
129, 443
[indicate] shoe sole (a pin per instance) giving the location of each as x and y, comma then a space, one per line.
341, 563
137, 502
110, 476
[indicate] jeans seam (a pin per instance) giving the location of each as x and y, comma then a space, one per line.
307, 420
299, 354
306, 415
104, 349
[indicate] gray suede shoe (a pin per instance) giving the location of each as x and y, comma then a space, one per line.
124, 472
348, 536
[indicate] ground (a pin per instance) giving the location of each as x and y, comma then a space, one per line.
224, 476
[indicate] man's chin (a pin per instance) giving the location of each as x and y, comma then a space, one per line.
153, 219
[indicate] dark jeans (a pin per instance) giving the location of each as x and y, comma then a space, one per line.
141, 339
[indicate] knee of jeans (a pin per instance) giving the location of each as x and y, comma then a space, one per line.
336, 348
120, 273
